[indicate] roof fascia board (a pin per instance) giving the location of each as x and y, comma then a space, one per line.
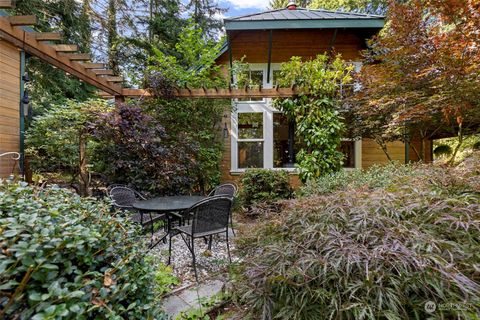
304, 24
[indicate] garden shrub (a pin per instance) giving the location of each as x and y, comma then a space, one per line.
66, 257
375, 252
265, 186
376, 176
137, 150
52, 138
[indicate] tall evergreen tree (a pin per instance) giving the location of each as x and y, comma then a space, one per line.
364, 6
112, 36
205, 14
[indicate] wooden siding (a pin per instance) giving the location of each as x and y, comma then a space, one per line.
9, 104
253, 44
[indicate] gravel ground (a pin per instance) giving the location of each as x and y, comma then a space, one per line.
210, 264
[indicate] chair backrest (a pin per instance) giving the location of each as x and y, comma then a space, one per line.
14, 157
124, 197
226, 189
211, 214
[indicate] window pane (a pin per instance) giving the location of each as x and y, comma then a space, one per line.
256, 80
283, 157
250, 125
348, 149
256, 77
276, 75
250, 154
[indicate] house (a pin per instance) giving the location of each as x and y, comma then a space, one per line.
258, 135
18, 41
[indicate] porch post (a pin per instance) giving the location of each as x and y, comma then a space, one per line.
22, 112
269, 55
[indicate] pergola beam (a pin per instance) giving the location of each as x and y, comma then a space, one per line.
65, 47
6, 4
105, 72
47, 36
22, 20
218, 93
77, 56
28, 42
90, 65
114, 79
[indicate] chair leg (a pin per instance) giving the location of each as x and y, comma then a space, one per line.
193, 258
231, 223
210, 243
228, 248
151, 223
169, 249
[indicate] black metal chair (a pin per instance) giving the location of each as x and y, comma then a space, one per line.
208, 217
124, 197
15, 158
229, 190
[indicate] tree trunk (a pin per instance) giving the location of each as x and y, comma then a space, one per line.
383, 145
459, 144
112, 37
86, 31
27, 170
416, 151
84, 179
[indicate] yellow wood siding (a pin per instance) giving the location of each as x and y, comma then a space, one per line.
9, 104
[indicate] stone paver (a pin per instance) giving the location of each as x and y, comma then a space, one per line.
190, 297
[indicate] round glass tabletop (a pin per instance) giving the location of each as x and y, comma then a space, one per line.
165, 204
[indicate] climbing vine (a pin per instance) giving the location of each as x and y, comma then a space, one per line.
318, 122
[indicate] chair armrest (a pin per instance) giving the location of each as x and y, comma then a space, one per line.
177, 215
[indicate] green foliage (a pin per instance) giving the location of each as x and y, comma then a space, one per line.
375, 177
315, 111
164, 279
205, 133
67, 257
442, 150
136, 150
52, 138
364, 6
194, 65
370, 250
207, 306
465, 149
263, 185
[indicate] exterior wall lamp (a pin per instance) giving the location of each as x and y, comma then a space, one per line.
225, 130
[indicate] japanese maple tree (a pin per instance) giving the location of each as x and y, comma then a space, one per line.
423, 78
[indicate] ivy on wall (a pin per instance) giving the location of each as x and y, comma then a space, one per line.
318, 122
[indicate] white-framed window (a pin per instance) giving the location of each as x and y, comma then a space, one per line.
262, 137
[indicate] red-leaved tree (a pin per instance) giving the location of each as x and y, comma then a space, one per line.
423, 76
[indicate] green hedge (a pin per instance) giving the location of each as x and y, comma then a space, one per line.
376, 248
263, 185
65, 257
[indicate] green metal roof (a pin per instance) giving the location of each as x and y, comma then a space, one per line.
301, 18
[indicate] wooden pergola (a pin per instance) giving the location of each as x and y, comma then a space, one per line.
66, 57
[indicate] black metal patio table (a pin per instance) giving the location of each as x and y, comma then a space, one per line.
171, 206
